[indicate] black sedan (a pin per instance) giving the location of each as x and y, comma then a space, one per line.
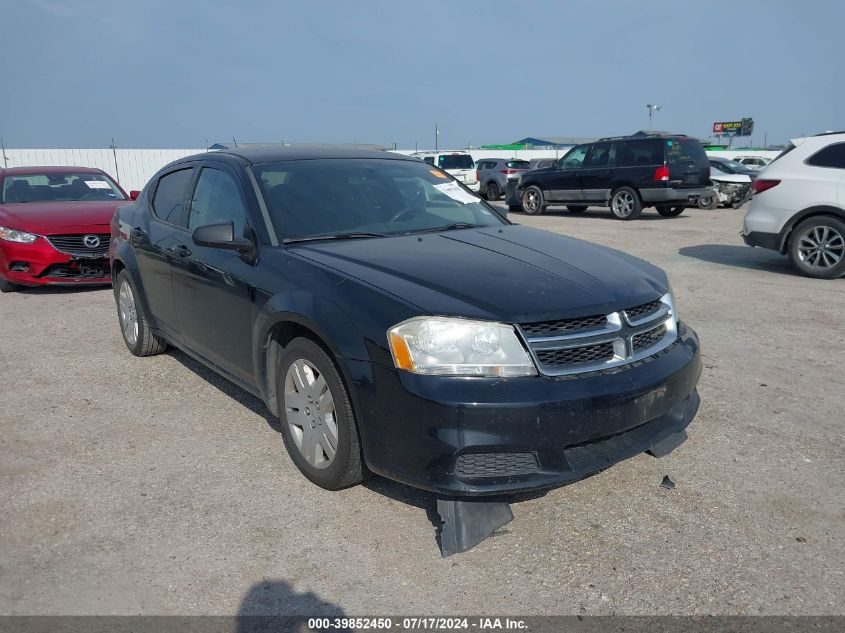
397, 323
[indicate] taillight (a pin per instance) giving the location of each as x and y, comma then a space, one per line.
477, 177
661, 174
762, 184
509, 171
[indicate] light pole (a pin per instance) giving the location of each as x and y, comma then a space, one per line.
651, 109
436, 137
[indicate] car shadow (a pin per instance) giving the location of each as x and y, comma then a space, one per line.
243, 397
59, 290
272, 605
740, 257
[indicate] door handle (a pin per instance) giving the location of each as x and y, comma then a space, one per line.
180, 250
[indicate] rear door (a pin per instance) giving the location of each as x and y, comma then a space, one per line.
598, 171
688, 165
154, 237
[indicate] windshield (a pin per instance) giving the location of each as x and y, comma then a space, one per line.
59, 187
455, 161
331, 197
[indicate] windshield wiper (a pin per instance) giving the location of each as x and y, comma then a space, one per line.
449, 227
352, 235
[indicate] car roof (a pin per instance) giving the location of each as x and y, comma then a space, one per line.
51, 169
258, 155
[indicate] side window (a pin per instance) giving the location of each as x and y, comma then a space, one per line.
169, 199
429, 159
640, 152
217, 198
601, 155
830, 156
575, 158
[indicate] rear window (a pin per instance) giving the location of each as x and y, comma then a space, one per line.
518, 164
684, 151
830, 156
455, 161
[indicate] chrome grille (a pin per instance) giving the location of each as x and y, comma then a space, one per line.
75, 244
599, 342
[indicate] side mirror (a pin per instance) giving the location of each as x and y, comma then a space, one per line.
221, 235
133, 195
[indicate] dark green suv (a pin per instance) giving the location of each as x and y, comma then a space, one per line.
626, 173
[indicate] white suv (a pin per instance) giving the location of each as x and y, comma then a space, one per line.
798, 206
459, 164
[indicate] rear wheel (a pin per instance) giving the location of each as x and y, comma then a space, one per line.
817, 247
576, 208
139, 338
532, 201
492, 191
671, 212
318, 425
8, 286
625, 204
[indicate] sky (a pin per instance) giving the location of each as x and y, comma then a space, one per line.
183, 73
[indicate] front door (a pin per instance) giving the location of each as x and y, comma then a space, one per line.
213, 299
564, 184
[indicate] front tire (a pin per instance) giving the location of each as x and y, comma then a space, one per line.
137, 334
318, 424
492, 191
533, 202
671, 212
817, 247
710, 203
625, 204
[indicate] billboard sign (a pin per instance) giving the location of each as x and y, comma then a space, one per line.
745, 127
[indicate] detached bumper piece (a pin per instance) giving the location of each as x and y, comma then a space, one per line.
465, 523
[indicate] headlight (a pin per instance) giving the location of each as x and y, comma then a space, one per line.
458, 347
12, 235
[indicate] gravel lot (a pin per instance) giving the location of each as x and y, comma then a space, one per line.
152, 486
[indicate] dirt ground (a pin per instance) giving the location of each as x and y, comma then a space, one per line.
151, 486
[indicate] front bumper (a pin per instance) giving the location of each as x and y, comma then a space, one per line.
670, 194
471, 436
39, 264
473, 186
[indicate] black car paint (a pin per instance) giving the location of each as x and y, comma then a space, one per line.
231, 311
595, 184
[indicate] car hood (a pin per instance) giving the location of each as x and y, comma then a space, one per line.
508, 273
57, 217
723, 177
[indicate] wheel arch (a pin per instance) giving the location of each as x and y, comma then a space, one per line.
806, 214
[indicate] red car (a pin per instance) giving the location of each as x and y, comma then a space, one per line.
54, 226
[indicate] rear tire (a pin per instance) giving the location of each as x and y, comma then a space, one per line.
318, 425
576, 208
533, 202
625, 204
492, 191
817, 247
134, 327
8, 286
671, 212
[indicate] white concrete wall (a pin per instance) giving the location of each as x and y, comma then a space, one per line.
134, 166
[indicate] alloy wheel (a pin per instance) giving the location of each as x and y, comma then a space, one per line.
821, 247
128, 313
531, 201
623, 204
310, 413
